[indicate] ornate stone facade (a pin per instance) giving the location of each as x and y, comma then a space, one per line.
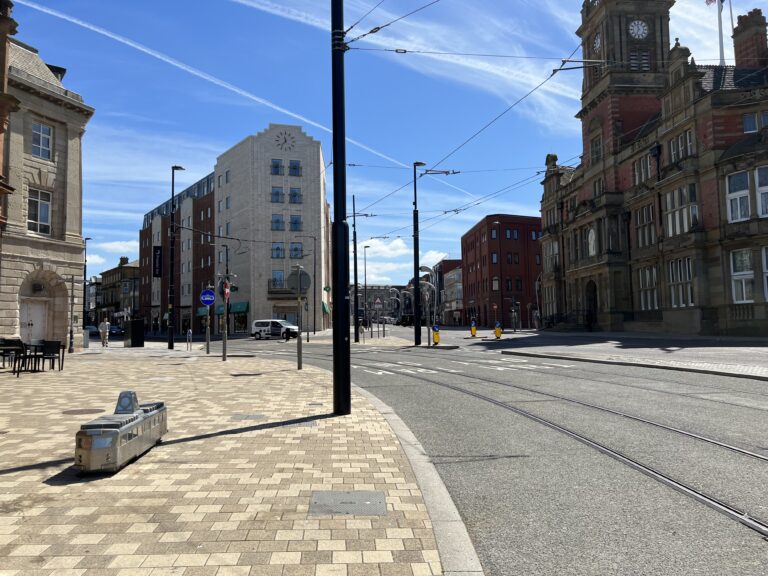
663, 226
41, 247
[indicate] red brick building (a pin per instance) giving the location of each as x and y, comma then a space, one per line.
501, 261
664, 224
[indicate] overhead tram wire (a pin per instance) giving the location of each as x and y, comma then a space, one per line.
471, 54
380, 28
502, 114
363, 17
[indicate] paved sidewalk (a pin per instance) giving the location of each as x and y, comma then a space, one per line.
227, 493
737, 357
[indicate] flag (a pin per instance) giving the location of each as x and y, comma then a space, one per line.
719, 2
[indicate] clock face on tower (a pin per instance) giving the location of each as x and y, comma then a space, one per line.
597, 43
285, 141
638, 29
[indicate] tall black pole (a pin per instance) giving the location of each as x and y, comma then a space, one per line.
342, 391
416, 290
226, 303
354, 261
85, 281
365, 284
171, 291
314, 280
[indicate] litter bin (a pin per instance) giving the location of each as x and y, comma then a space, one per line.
134, 334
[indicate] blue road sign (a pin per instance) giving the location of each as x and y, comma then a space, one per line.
207, 297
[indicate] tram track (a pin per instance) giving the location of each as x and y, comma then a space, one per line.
686, 433
727, 509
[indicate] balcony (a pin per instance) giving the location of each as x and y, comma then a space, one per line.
278, 289
296, 198
278, 225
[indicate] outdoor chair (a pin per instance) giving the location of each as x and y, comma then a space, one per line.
11, 347
25, 359
51, 352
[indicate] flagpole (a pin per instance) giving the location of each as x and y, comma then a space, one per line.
720, 30
730, 6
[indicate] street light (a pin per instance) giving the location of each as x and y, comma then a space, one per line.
365, 282
314, 281
497, 224
171, 292
416, 293
85, 277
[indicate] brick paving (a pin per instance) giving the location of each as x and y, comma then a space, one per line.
228, 491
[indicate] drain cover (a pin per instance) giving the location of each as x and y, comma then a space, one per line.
357, 503
79, 411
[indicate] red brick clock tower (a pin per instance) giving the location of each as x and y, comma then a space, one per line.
631, 38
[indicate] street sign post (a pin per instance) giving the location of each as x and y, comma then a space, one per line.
299, 282
207, 299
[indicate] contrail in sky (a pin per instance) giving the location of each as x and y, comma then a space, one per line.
204, 76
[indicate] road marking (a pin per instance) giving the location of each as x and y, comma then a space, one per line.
558, 365
379, 372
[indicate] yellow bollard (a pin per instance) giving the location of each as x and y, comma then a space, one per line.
498, 332
435, 337
473, 330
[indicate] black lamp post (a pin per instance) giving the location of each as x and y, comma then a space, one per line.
365, 283
85, 279
171, 291
416, 292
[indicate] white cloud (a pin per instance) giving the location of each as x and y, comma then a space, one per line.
119, 247
432, 257
493, 29
380, 248
96, 259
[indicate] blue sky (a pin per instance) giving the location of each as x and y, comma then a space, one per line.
179, 82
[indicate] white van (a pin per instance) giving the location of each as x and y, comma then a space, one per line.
273, 329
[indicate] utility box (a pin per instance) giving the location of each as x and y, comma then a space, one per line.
134, 333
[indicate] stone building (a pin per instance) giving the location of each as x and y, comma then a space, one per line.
262, 212
500, 262
119, 291
41, 242
662, 226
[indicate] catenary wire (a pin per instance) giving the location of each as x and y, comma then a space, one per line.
379, 28
364, 16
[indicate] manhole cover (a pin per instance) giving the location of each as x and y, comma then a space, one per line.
79, 411
314, 403
249, 417
357, 503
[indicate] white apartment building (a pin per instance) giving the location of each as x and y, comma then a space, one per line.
264, 209
271, 216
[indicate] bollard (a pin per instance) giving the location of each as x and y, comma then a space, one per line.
498, 330
436, 334
473, 329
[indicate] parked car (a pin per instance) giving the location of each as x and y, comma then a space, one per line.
93, 331
116, 331
273, 329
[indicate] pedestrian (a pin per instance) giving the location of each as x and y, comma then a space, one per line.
104, 333
189, 339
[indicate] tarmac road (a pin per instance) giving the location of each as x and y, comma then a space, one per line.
538, 502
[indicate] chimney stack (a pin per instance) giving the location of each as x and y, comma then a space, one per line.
750, 40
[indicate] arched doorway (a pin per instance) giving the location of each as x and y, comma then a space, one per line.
590, 300
43, 306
